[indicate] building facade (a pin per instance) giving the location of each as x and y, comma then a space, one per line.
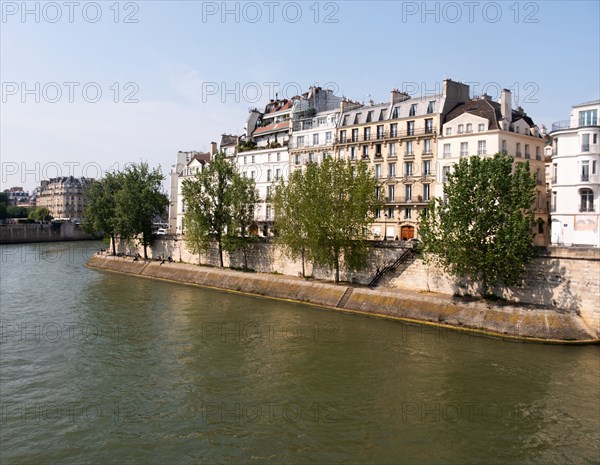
64, 197
17, 197
575, 183
483, 127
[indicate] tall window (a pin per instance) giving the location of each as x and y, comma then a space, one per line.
587, 200
277, 173
588, 118
296, 159
426, 167
481, 127
394, 130
481, 149
409, 148
380, 131
527, 154
426, 192
343, 135
537, 154
448, 131
553, 202
392, 150
328, 137
410, 128
268, 215
585, 142
445, 171
299, 143
391, 170
268, 175
408, 213
427, 146
464, 149
315, 139
503, 149
391, 193
585, 171
352, 153
461, 128
367, 133
408, 192
408, 168
413, 110
469, 127
518, 149
365, 151
430, 106
446, 150
355, 135
378, 170
429, 125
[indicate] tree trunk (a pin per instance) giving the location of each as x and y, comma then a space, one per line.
303, 270
145, 247
220, 252
245, 258
337, 268
114, 249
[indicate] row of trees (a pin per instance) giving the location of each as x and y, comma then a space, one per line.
20, 212
125, 204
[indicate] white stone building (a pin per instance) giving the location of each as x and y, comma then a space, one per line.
576, 178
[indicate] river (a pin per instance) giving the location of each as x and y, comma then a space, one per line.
105, 368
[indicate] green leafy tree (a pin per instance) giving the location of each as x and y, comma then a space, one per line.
138, 201
244, 197
3, 205
100, 213
17, 212
483, 232
292, 210
209, 197
40, 214
332, 205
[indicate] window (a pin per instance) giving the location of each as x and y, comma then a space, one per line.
588, 118
377, 150
391, 193
503, 150
461, 128
426, 167
391, 170
585, 143
252, 159
252, 174
392, 150
408, 168
369, 116
278, 156
367, 133
296, 159
380, 131
321, 121
426, 191
311, 157
413, 110
408, 192
587, 200
328, 137
429, 126
395, 112
268, 175
554, 173
464, 149
430, 106
355, 135
448, 131
378, 170
537, 154
268, 214
343, 136
409, 148
527, 154
390, 213
553, 202
299, 142
342, 154
410, 128
277, 174
394, 130
365, 151
315, 139
594, 167
377, 214
469, 127
268, 191
585, 171
481, 149
408, 213
352, 153
356, 118
445, 171
518, 149
481, 127
446, 150
427, 146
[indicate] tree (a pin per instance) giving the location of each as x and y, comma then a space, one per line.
138, 201
100, 213
331, 205
244, 197
16, 212
3, 205
483, 231
40, 214
292, 210
209, 198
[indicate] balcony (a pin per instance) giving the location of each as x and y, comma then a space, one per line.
563, 124
586, 208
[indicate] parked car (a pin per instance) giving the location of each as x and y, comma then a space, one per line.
161, 231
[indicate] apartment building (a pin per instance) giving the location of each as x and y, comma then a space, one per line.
575, 183
64, 197
398, 141
483, 127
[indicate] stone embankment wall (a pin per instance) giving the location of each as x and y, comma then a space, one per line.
564, 279
53, 232
506, 321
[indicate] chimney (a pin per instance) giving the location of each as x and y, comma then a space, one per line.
396, 96
213, 148
505, 105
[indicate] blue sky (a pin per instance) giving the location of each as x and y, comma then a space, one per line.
174, 76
